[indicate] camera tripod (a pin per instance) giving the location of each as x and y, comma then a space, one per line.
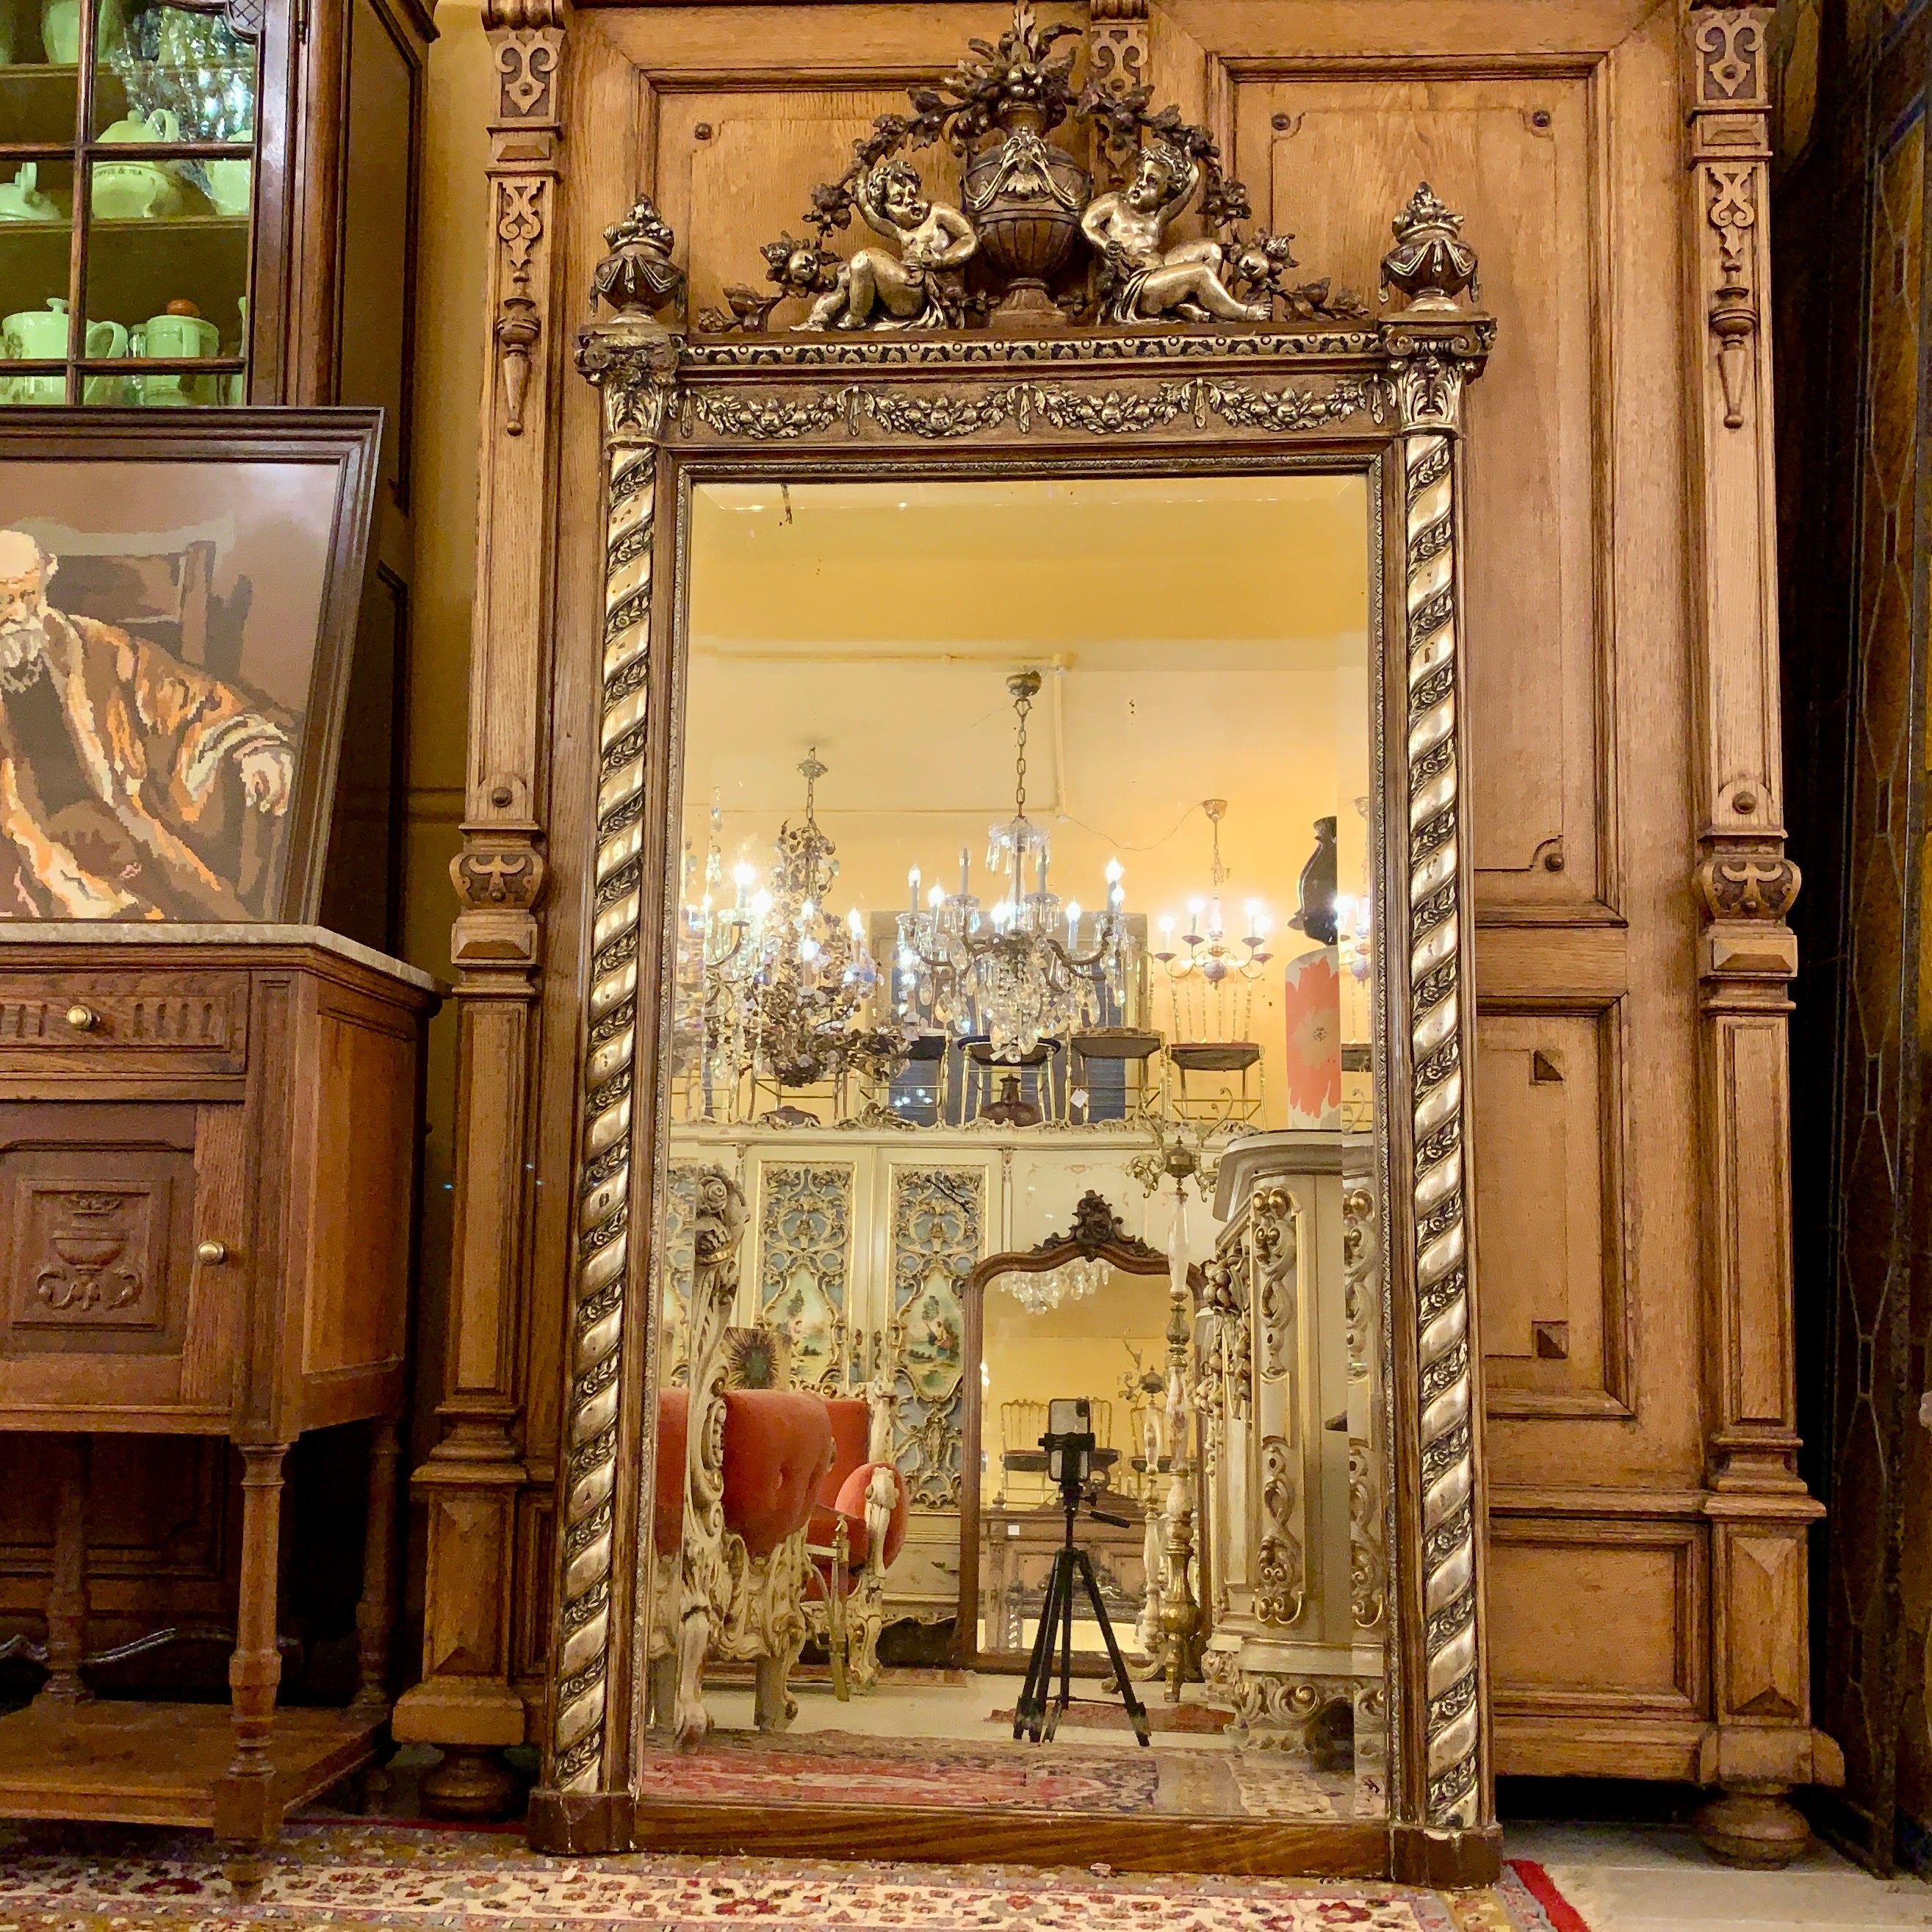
1037, 1714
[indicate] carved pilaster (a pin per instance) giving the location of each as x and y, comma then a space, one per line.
1116, 64
1743, 887
471, 1482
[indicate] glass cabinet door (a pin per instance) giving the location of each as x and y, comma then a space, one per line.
127, 185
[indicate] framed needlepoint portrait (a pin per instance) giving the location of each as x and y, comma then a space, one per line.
179, 594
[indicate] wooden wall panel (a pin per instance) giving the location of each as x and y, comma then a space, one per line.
1550, 1252
737, 183
1592, 1618
1326, 157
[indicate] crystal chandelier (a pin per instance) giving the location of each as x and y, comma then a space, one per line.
1071, 1281
1015, 975
1215, 963
793, 993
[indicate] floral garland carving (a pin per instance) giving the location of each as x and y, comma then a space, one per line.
946, 416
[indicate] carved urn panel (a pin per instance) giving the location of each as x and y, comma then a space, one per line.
94, 1228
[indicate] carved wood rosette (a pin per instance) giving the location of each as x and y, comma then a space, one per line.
1384, 397
473, 1482
1743, 887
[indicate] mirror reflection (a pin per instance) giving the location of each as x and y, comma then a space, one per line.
1018, 1255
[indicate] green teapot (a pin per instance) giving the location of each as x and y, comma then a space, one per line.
143, 191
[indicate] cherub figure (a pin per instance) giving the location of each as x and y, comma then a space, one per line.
1144, 281
914, 288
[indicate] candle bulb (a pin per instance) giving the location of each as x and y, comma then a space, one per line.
741, 877
965, 870
912, 881
936, 897
1116, 897
1072, 920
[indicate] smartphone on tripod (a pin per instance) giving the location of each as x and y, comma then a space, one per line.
1069, 1445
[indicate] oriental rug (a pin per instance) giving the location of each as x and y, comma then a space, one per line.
335, 1876
1096, 1714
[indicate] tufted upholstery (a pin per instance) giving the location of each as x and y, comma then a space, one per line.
843, 1491
777, 1446
673, 1418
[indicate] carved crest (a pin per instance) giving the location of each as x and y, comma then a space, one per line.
1096, 1226
1032, 245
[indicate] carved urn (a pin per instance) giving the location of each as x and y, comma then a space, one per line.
1430, 264
1025, 197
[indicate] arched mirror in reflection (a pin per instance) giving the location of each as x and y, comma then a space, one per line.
1086, 1316
1019, 1050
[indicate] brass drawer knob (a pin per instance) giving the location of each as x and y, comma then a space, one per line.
212, 1254
82, 1019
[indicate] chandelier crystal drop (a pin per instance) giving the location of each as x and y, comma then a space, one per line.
1014, 975
1075, 1280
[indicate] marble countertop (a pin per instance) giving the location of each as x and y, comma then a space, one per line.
118, 932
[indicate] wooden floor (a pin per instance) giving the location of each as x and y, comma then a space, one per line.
157, 1764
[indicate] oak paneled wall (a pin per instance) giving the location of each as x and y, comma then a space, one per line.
1595, 671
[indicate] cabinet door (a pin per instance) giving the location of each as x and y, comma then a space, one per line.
109, 1316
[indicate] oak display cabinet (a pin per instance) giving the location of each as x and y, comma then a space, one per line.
187, 192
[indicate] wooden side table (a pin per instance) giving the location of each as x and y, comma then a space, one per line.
208, 1156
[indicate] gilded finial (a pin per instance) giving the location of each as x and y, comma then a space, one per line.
638, 277
1430, 264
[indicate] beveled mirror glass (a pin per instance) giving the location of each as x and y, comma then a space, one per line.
1019, 1050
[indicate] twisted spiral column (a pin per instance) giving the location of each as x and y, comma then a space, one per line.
583, 1632
1452, 1726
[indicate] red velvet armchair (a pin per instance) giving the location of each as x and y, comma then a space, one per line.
741, 1580
858, 1524
738, 1470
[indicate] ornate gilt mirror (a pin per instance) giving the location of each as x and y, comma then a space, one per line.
1031, 689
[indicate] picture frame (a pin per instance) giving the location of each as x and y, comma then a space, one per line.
179, 592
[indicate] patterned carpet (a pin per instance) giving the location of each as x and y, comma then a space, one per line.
335, 1877
1109, 1715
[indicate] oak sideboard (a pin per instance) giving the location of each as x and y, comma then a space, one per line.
207, 1155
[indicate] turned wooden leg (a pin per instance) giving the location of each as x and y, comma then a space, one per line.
67, 1592
375, 1612
472, 1781
661, 1692
773, 1706
246, 1815
1759, 1828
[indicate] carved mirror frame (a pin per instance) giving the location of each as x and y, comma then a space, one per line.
1380, 398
